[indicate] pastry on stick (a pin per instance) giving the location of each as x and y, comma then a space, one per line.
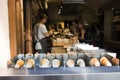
115, 61
70, 63
44, 63
56, 63
105, 62
30, 63
80, 63
19, 63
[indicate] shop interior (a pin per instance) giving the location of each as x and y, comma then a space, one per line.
62, 16
101, 13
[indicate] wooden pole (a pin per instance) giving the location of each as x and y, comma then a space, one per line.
28, 26
19, 27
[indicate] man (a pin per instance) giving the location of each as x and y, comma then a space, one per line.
41, 34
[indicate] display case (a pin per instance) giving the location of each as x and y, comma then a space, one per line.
64, 71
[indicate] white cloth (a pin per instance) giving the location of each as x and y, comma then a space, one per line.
38, 46
40, 35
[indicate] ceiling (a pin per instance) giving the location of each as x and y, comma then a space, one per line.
95, 4
87, 11
54, 1
92, 7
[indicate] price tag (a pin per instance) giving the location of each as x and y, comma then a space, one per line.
28, 56
65, 56
20, 56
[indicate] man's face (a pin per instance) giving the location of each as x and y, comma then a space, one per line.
74, 24
80, 25
44, 20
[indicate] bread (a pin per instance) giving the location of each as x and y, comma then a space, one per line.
56, 63
70, 63
80, 63
30, 63
44, 63
105, 62
19, 63
66, 40
94, 62
115, 61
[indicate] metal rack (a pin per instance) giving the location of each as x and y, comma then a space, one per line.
63, 73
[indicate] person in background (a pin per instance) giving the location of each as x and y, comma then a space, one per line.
88, 35
74, 27
98, 36
67, 29
49, 39
41, 34
51, 27
84, 34
81, 32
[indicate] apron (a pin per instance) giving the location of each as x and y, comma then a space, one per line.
44, 45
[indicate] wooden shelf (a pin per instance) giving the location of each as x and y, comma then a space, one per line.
116, 17
115, 30
116, 20
113, 46
112, 43
102, 31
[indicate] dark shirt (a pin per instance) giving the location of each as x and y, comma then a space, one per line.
88, 38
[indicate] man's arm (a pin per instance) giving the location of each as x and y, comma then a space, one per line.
47, 34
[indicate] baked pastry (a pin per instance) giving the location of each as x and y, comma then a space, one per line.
30, 63
70, 63
94, 62
56, 63
44, 63
105, 62
66, 40
115, 61
19, 63
80, 63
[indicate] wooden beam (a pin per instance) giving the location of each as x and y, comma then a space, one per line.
12, 27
